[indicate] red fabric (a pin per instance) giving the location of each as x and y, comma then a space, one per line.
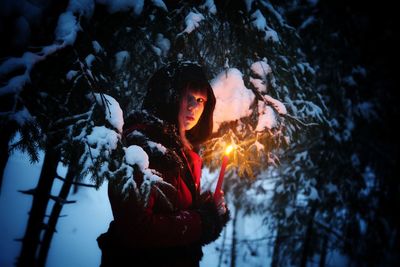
195, 163
157, 225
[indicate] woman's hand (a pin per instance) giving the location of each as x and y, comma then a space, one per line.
220, 203
214, 216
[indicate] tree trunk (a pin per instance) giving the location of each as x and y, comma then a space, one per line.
322, 258
277, 246
40, 200
307, 238
55, 214
221, 253
6, 134
234, 241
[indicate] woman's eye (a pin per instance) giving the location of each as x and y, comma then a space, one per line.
200, 100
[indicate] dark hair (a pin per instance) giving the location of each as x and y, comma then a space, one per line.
164, 92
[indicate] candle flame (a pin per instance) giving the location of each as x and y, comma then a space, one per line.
228, 150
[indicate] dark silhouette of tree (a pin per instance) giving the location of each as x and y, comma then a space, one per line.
41, 196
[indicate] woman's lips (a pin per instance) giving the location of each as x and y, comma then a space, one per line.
190, 118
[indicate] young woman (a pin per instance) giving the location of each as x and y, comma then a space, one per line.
168, 226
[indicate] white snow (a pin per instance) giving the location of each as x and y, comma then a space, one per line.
307, 22
102, 138
366, 110
65, 34
260, 23
279, 189
192, 21
82, 7
278, 105
248, 4
259, 146
289, 211
89, 60
67, 28
136, 155
301, 156
233, 98
313, 194
260, 85
163, 44
277, 15
266, 118
22, 116
349, 80
160, 4
359, 70
261, 69
355, 160
121, 59
369, 178
97, 47
308, 108
259, 20
331, 188
113, 111
123, 5
15, 84
156, 50
210, 6
71, 74
305, 66
158, 146
272, 35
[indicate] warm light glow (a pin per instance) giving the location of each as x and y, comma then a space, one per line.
228, 150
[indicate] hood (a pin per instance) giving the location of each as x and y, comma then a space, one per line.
166, 86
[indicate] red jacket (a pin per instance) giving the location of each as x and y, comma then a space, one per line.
158, 224
160, 232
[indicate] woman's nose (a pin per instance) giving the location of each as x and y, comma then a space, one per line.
192, 105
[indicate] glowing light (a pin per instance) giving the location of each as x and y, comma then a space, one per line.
228, 150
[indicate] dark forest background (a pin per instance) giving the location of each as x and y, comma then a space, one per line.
348, 153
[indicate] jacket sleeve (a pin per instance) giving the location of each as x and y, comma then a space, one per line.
139, 226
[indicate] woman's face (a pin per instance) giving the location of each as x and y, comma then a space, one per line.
192, 106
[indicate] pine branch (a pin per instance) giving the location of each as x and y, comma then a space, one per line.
75, 183
92, 159
47, 216
332, 231
61, 201
92, 83
28, 192
71, 119
299, 121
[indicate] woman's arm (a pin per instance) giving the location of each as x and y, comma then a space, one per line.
140, 226
167, 229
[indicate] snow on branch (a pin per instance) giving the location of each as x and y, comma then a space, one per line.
233, 98
136, 156
114, 115
260, 23
114, 6
192, 21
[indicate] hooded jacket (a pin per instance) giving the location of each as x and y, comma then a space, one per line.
165, 227
169, 226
